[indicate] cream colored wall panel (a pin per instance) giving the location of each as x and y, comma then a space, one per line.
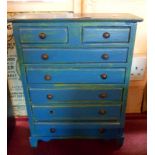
54, 5
77, 6
144, 105
134, 101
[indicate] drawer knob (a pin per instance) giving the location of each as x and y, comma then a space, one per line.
103, 95
102, 112
52, 130
44, 56
104, 76
49, 96
47, 77
106, 35
51, 111
42, 35
105, 56
101, 130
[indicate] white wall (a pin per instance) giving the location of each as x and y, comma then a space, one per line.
44, 5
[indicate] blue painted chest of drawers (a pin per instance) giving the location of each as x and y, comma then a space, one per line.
75, 73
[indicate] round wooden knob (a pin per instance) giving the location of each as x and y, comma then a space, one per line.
53, 130
49, 96
106, 35
105, 56
102, 112
47, 77
42, 35
101, 130
44, 56
104, 76
103, 95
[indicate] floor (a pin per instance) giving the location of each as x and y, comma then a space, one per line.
134, 144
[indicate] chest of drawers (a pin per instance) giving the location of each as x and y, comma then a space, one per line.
75, 74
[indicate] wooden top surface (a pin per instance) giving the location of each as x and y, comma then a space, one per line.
71, 16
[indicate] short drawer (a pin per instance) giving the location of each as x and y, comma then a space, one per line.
80, 113
43, 35
77, 75
106, 34
71, 129
44, 95
75, 55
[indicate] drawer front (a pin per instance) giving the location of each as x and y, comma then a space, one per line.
71, 129
49, 75
43, 35
105, 34
41, 96
77, 113
75, 55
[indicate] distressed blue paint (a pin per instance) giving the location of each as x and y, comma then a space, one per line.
77, 86
76, 129
77, 65
75, 47
78, 94
74, 33
53, 35
95, 34
76, 113
132, 41
33, 55
75, 75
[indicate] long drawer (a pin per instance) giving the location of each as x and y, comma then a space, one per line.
97, 112
34, 55
47, 74
71, 129
45, 95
